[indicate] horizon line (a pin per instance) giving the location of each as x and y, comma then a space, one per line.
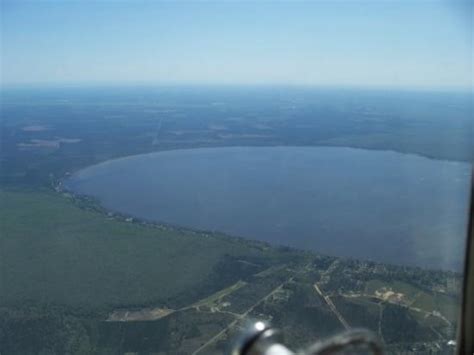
190, 84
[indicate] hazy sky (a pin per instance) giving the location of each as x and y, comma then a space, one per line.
397, 43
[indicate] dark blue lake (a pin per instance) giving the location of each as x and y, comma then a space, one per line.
384, 206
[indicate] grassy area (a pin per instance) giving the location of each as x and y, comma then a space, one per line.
374, 285
208, 301
411, 294
367, 303
447, 306
55, 252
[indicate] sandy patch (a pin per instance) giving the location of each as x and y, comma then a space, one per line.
146, 314
48, 143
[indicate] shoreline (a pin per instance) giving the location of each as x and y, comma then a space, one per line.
92, 204
335, 146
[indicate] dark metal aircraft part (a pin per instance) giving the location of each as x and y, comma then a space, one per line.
466, 320
260, 339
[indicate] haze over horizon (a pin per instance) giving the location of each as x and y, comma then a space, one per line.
389, 44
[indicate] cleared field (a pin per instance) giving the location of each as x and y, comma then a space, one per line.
55, 252
373, 285
216, 297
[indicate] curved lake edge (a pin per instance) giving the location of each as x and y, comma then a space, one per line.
156, 222
92, 204
61, 179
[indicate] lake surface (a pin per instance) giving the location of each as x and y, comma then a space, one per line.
383, 206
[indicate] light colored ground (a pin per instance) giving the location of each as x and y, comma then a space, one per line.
48, 143
145, 314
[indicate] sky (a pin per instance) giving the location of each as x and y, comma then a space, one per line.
406, 43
